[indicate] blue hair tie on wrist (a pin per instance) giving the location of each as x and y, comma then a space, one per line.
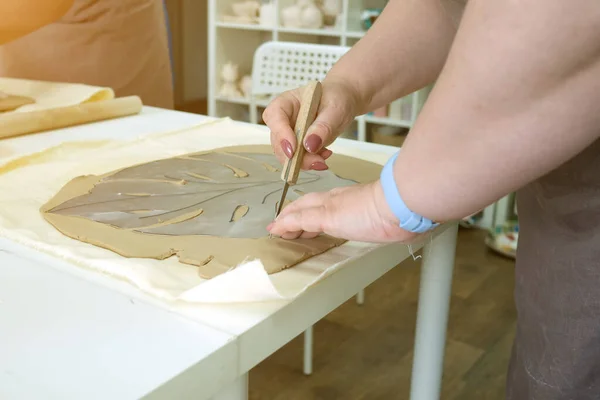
409, 220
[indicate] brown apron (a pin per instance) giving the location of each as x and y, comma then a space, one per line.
556, 355
121, 44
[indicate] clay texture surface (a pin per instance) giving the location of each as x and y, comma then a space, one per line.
209, 208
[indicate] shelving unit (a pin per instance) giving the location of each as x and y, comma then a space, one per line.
236, 42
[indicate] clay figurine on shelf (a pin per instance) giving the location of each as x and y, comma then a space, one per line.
246, 85
331, 9
290, 17
229, 77
244, 12
267, 15
304, 14
369, 16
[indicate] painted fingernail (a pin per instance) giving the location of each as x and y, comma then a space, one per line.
287, 148
313, 143
270, 226
326, 154
319, 166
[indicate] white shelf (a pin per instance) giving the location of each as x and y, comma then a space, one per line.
243, 100
317, 32
355, 34
249, 27
299, 31
236, 42
234, 100
388, 121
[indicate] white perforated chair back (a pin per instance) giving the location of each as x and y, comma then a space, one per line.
280, 66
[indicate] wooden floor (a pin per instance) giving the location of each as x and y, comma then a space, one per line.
365, 352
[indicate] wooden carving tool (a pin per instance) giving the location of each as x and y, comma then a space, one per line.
23, 123
311, 98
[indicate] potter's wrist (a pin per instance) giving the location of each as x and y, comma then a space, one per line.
409, 220
359, 99
383, 210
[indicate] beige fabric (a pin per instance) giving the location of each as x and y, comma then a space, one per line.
52, 94
12, 102
29, 182
105, 43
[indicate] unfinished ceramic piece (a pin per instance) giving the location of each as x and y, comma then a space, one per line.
220, 194
210, 209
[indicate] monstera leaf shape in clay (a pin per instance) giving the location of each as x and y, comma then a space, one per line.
210, 209
221, 194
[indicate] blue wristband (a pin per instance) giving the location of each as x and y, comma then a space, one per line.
408, 220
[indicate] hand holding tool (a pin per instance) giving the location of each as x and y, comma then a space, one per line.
311, 97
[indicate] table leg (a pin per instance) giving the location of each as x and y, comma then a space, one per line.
432, 316
308, 351
360, 297
502, 211
238, 390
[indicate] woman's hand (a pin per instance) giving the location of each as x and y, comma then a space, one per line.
337, 109
357, 212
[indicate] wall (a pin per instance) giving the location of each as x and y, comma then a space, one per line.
189, 32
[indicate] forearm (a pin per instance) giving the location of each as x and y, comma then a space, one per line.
517, 98
21, 17
403, 51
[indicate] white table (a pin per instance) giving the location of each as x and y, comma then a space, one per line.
67, 334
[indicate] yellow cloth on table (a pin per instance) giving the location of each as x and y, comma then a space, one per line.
28, 182
52, 94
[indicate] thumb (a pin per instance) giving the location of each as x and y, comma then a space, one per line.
323, 131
